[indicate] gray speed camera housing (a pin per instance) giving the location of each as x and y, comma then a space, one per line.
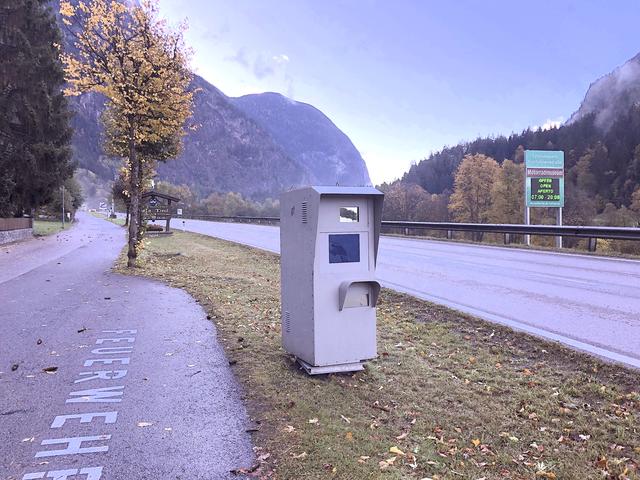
328, 249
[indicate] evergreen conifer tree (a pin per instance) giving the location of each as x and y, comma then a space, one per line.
34, 118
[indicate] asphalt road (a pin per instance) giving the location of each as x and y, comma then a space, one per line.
589, 303
141, 388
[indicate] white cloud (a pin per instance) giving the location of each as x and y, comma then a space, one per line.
262, 65
240, 57
550, 123
281, 59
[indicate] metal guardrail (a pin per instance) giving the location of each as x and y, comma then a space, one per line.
591, 233
616, 233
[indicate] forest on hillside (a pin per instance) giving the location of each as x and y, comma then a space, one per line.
602, 178
605, 165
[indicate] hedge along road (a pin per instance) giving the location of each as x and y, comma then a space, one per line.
587, 302
104, 376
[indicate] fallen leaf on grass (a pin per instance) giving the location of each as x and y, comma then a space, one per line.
289, 429
384, 464
349, 436
301, 456
313, 421
402, 436
476, 442
384, 408
543, 474
345, 419
363, 458
397, 451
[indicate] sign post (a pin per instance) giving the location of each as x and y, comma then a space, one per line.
544, 184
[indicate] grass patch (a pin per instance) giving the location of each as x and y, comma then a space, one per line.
449, 397
42, 228
117, 221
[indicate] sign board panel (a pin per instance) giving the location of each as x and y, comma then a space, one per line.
179, 211
156, 210
544, 178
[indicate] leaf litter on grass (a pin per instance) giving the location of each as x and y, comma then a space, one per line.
459, 397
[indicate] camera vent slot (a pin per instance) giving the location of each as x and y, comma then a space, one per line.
287, 322
304, 212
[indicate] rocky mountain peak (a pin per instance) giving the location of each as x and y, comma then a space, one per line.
611, 95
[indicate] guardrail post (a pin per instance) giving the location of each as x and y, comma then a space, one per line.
592, 244
406, 232
449, 234
507, 238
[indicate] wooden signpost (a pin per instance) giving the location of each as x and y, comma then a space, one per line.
157, 206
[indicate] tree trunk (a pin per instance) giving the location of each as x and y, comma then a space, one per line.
126, 218
135, 199
141, 222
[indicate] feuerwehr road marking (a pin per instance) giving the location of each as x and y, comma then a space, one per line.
108, 394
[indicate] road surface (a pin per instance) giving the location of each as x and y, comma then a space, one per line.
589, 303
137, 386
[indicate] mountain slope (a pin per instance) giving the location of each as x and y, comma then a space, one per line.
309, 137
258, 145
227, 152
611, 95
230, 150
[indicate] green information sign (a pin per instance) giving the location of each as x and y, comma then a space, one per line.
544, 178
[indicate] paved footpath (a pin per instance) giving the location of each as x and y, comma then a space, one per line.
138, 386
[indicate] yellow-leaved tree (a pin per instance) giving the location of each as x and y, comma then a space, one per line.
507, 194
473, 182
140, 65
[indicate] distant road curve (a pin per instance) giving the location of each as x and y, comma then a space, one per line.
589, 303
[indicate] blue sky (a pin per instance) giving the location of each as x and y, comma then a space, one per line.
403, 78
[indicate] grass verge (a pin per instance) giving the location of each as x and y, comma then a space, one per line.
117, 221
43, 228
449, 397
